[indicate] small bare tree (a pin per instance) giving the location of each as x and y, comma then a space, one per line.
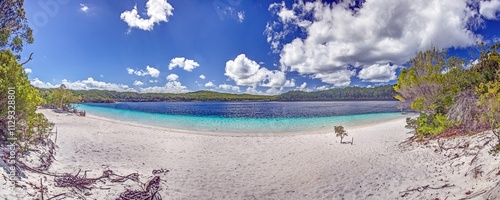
340, 132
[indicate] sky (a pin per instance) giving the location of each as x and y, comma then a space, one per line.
245, 46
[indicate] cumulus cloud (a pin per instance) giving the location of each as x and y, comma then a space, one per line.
209, 84
202, 76
28, 70
170, 87
40, 84
138, 83
324, 87
157, 11
183, 63
253, 90
84, 8
378, 73
336, 37
246, 72
303, 87
87, 84
489, 9
229, 87
274, 91
151, 71
172, 77
90, 83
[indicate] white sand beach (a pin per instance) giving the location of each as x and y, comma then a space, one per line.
310, 166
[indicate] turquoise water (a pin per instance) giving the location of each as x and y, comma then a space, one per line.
217, 124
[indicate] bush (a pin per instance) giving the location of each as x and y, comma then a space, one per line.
428, 125
340, 132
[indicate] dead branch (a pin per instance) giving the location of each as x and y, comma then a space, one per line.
83, 183
30, 58
150, 192
422, 188
56, 196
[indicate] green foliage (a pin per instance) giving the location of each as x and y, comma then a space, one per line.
340, 132
411, 123
425, 85
61, 98
348, 93
14, 29
428, 125
489, 99
29, 124
442, 91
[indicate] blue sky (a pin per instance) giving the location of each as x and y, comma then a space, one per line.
244, 46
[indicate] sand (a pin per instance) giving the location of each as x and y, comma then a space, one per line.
300, 166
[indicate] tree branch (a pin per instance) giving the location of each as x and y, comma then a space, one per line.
30, 58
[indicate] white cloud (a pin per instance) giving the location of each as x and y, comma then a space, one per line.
157, 11
274, 91
229, 87
138, 83
253, 90
28, 70
336, 36
172, 77
183, 63
130, 71
90, 83
324, 87
170, 87
489, 9
84, 8
378, 73
40, 84
339, 78
202, 76
303, 87
87, 84
247, 72
151, 71
209, 84
241, 16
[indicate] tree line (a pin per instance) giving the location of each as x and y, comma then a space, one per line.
349, 93
341, 94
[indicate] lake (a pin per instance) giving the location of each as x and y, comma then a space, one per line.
247, 117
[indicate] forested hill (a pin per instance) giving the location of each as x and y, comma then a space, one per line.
340, 94
349, 93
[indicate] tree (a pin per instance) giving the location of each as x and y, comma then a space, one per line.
14, 28
17, 92
490, 101
62, 98
489, 92
340, 132
430, 86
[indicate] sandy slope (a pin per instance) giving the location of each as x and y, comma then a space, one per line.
314, 166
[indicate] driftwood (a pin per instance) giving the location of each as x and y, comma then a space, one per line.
149, 193
83, 183
422, 188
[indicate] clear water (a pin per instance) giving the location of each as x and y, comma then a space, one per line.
247, 117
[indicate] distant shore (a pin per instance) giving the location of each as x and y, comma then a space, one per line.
312, 166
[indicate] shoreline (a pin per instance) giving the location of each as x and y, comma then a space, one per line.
318, 130
305, 166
